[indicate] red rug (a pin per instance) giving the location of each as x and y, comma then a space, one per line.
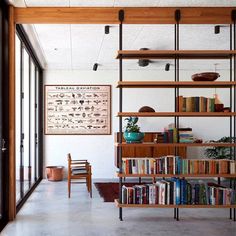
110, 191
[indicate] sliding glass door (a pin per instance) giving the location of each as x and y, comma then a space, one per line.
27, 116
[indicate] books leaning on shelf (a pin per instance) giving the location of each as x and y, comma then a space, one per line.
178, 192
195, 104
176, 165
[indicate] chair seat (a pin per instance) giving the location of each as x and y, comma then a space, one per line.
78, 171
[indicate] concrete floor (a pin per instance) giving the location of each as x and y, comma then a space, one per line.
49, 212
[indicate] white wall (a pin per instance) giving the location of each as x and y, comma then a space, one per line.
99, 149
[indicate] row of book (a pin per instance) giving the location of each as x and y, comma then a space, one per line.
195, 104
177, 165
178, 192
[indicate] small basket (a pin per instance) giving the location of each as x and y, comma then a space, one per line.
54, 173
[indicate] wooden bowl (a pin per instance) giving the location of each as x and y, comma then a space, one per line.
205, 76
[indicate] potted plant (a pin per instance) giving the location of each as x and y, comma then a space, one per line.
220, 152
132, 132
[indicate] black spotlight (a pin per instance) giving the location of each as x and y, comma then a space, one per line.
217, 29
95, 66
107, 29
143, 62
167, 67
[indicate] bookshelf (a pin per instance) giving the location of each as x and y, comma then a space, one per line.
176, 84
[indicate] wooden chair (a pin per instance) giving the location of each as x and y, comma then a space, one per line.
79, 169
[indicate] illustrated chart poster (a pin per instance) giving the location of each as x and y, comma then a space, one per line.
77, 109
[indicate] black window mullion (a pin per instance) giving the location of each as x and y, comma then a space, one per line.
29, 164
21, 121
36, 125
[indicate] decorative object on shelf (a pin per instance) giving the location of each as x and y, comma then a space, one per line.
77, 109
132, 132
205, 76
146, 109
227, 109
220, 152
198, 141
219, 106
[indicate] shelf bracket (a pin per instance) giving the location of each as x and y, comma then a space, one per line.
121, 15
177, 15
233, 15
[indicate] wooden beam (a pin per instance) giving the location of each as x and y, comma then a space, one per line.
12, 175
109, 15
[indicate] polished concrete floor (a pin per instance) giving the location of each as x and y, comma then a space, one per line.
49, 212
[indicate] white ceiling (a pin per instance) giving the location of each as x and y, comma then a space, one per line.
80, 46
122, 3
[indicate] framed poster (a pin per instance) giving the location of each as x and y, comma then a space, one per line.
77, 109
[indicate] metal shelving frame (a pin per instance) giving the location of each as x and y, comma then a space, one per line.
121, 16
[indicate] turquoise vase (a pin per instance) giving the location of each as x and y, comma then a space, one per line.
131, 137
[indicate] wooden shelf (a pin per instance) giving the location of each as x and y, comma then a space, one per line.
173, 114
152, 144
180, 175
171, 54
173, 84
170, 206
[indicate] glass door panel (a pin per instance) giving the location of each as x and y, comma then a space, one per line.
19, 146
26, 120
32, 122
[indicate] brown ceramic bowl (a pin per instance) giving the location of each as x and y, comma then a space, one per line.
205, 76
146, 109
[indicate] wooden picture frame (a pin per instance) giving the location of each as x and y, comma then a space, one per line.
77, 110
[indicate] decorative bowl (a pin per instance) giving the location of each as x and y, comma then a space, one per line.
205, 76
146, 109
132, 137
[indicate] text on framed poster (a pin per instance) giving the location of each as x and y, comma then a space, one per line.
77, 109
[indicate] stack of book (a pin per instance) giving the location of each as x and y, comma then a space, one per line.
195, 104
178, 192
185, 135
176, 165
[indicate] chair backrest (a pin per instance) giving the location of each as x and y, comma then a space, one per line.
78, 164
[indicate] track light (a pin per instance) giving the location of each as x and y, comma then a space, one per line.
95, 66
167, 67
107, 29
217, 29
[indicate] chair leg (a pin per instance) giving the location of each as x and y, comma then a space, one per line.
87, 183
90, 182
69, 186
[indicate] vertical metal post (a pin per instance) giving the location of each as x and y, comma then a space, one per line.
177, 214
176, 36
121, 18
233, 93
